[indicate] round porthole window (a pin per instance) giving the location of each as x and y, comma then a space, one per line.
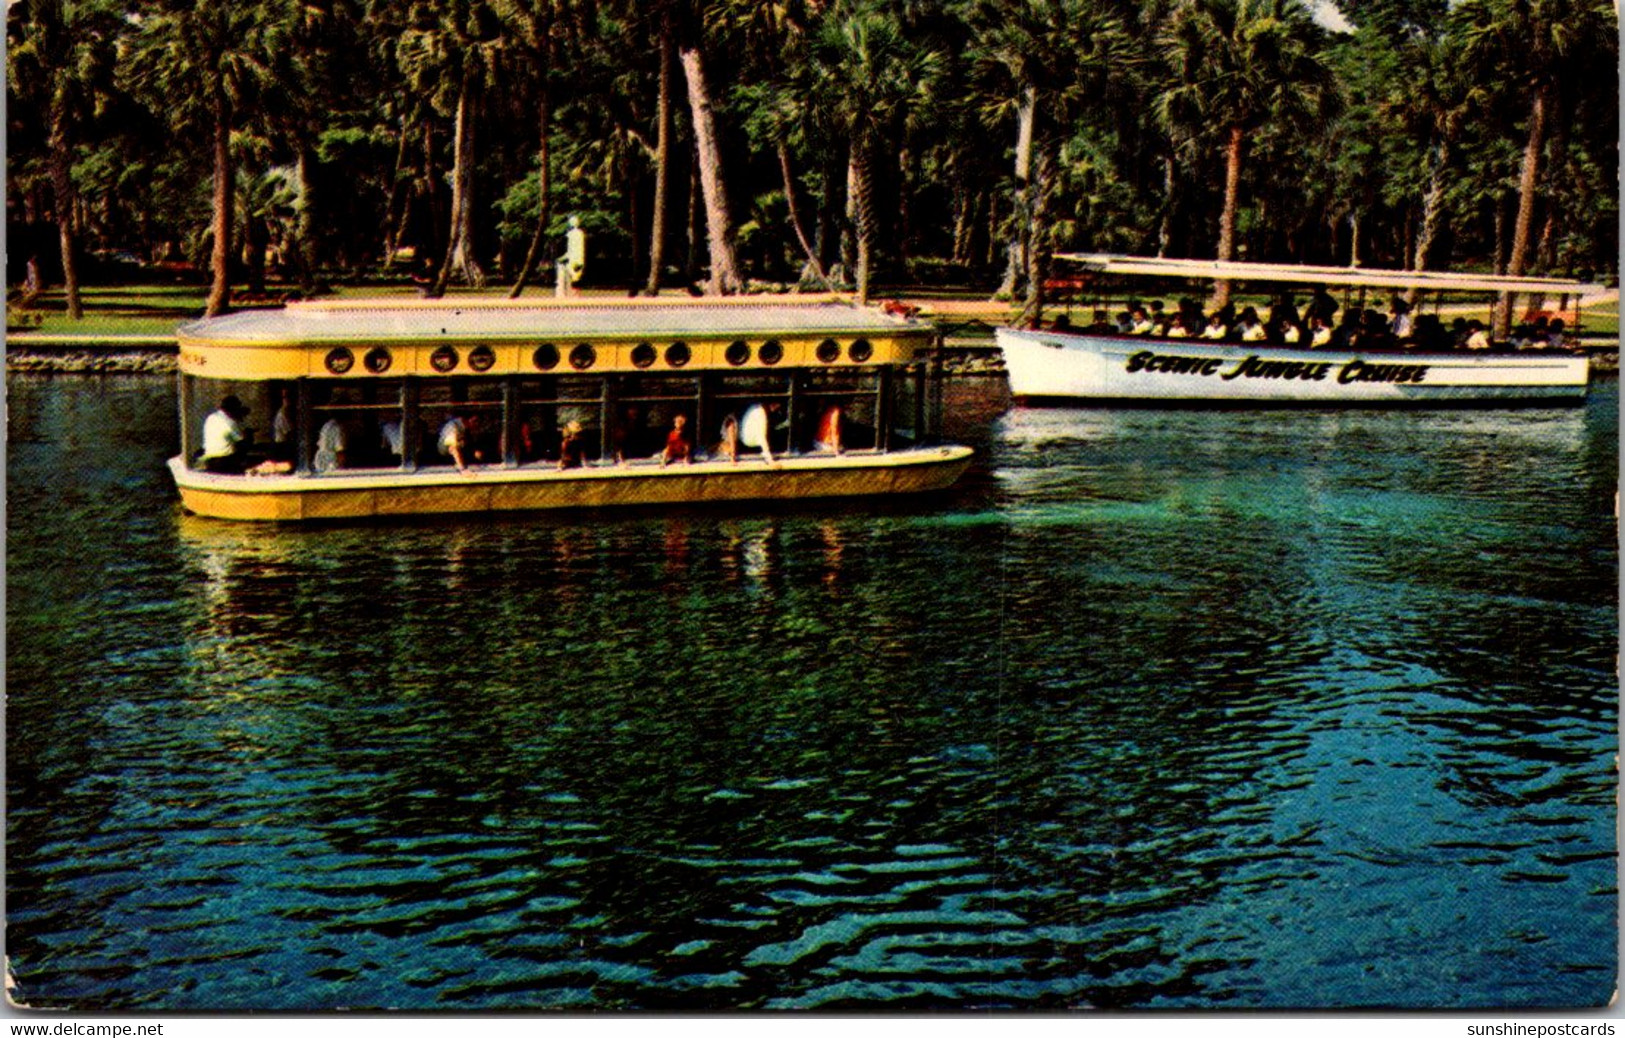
677, 354
829, 351
860, 350
481, 358
772, 351
583, 357
340, 360
378, 360
643, 355
443, 359
546, 357
737, 352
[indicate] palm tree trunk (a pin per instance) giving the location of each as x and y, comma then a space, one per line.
1432, 216
795, 217
62, 189
220, 260
657, 219
304, 249
1165, 229
544, 192
1227, 217
460, 248
863, 212
1021, 232
392, 227
1528, 182
719, 228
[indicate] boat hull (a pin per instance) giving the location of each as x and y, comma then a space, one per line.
369, 493
1067, 367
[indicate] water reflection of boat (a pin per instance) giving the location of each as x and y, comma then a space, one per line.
1176, 365
385, 380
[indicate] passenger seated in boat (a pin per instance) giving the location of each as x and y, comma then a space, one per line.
627, 440
1287, 333
729, 445
1401, 325
332, 446
1283, 311
755, 427
1215, 329
282, 427
1319, 334
1430, 334
1176, 328
1557, 335
1140, 322
572, 446
1062, 323
391, 440
1101, 325
456, 440
1125, 322
1477, 337
1458, 333
225, 439
1323, 306
677, 446
828, 437
1251, 329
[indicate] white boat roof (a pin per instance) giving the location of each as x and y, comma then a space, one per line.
396, 320
1150, 266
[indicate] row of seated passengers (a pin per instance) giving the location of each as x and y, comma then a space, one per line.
465, 439
1358, 329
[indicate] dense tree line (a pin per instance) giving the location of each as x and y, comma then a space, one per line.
711, 143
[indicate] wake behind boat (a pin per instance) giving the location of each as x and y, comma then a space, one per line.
1171, 364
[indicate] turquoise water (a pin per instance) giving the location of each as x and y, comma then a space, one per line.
1156, 710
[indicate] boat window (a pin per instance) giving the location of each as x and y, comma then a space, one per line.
737, 353
340, 360
677, 354
829, 351
643, 355
481, 358
378, 360
443, 359
583, 357
546, 357
772, 352
860, 350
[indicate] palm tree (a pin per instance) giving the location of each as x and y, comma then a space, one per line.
1547, 46
205, 62
719, 226
1053, 59
1432, 98
449, 54
1235, 66
868, 79
61, 60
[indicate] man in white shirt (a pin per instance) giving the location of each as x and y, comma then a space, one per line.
753, 430
225, 441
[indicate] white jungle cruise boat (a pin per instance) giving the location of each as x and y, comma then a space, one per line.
1185, 367
341, 410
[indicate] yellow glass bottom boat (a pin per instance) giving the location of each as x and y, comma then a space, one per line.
392, 409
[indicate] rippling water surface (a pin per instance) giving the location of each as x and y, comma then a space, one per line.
1157, 710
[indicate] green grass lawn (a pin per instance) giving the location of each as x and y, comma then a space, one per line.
156, 310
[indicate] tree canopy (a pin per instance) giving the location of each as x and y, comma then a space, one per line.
716, 144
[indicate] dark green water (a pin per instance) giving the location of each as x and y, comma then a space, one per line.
1157, 710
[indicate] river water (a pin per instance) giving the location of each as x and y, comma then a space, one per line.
1158, 709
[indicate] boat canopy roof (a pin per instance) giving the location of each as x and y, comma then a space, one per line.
1150, 266
394, 338
421, 321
